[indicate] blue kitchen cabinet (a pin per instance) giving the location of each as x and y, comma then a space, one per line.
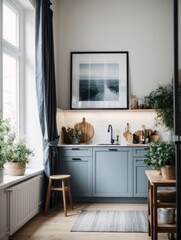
77, 162
112, 172
140, 179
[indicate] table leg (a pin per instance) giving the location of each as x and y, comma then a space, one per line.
149, 212
154, 212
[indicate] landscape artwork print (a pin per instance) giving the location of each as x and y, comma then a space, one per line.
99, 80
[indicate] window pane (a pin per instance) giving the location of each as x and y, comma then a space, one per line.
10, 25
10, 74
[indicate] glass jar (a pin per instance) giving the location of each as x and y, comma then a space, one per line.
133, 102
141, 103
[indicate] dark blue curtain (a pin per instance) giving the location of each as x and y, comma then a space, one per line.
177, 107
45, 83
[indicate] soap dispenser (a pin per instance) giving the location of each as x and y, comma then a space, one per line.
117, 139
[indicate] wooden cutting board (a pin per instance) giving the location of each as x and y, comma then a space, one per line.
88, 130
127, 134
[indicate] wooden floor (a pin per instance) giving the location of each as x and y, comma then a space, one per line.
54, 226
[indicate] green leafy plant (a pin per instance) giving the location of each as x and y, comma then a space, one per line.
74, 133
7, 138
160, 154
18, 153
161, 99
12, 150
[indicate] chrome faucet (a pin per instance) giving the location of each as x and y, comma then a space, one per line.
110, 128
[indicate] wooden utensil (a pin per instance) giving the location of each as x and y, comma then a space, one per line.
66, 138
88, 130
127, 132
130, 137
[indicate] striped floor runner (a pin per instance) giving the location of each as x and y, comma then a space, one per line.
111, 221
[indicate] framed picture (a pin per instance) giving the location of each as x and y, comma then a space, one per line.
99, 80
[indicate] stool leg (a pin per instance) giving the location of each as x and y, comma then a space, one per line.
48, 196
64, 198
70, 194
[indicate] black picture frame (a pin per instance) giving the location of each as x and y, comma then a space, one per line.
99, 80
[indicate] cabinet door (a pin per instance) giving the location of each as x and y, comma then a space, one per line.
112, 172
3, 215
140, 179
80, 169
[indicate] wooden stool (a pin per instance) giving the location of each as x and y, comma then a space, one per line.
65, 180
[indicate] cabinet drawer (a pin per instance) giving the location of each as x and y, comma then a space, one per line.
75, 159
140, 151
75, 152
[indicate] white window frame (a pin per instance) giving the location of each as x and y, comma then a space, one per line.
18, 53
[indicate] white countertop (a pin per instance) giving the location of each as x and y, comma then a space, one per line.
11, 180
102, 145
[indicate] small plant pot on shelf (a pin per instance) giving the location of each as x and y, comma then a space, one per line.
1, 174
15, 169
75, 141
168, 172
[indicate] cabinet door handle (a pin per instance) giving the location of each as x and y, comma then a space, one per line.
113, 149
146, 148
75, 148
76, 159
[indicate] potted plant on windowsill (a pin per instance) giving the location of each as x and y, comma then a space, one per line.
17, 156
13, 153
161, 156
5, 138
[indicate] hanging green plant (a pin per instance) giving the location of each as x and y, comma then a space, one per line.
161, 99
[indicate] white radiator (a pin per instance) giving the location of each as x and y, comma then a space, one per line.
23, 203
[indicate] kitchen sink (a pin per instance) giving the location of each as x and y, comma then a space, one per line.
116, 144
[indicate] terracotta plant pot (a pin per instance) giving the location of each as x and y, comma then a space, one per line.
168, 172
15, 169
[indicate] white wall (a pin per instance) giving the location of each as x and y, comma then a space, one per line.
118, 119
142, 27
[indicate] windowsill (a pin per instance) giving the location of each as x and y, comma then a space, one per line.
11, 180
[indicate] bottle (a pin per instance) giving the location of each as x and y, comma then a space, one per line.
147, 138
143, 138
133, 102
117, 139
140, 103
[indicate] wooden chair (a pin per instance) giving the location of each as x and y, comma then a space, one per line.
65, 187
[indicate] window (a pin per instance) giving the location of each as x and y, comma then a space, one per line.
10, 24
11, 61
10, 80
